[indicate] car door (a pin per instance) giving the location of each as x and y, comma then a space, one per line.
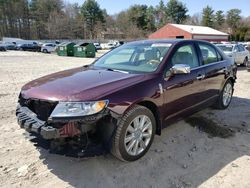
183, 91
49, 47
243, 51
214, 66
237, 55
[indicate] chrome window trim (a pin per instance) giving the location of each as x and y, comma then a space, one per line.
206, 65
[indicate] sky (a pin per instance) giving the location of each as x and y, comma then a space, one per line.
194, 6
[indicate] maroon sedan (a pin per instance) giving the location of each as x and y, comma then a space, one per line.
128, 95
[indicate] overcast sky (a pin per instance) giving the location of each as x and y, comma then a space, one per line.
194, 6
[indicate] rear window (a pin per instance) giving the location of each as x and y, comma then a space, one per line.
226, 48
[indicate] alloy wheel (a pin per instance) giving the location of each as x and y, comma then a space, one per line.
227, 94
138, 135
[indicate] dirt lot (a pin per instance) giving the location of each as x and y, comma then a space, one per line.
212, 150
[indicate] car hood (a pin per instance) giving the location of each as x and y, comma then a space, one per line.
79, 84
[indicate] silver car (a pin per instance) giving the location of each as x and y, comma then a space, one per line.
48, 48
237, 52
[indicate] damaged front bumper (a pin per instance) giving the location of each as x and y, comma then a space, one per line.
29, 121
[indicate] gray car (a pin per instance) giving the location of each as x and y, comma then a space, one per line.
237, 52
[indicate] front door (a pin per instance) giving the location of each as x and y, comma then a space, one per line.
183, 91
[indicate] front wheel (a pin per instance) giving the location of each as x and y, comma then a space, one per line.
134, 134
45, 51
225, 96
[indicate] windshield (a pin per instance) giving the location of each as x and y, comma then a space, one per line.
144, 57
226, 48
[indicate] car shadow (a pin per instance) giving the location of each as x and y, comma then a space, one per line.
241, 68
183, 156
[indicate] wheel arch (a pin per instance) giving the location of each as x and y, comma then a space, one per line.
154, 109
233, 80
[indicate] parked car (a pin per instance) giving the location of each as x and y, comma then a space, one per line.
9, 45
97, 46
29, 47
111, 46
237, 52
48, 48
2, 47
129, 94
248, 66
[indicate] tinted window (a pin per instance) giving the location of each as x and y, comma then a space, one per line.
208, 53
220, 58
242, 49
185, 55
236, 48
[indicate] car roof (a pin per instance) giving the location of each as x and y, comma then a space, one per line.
171, 41
226, 44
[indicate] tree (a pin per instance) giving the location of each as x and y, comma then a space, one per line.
219, 19
176, 11
160, 14
40, 13
194, 20
67, 24
233, 18
14, 18
127, 26
138, 15
208, 16
93, 17
151, 25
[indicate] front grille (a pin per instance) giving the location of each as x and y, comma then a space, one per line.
41, 108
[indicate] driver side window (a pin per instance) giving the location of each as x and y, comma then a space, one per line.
185, 55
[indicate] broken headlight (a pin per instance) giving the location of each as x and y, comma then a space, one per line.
78, 109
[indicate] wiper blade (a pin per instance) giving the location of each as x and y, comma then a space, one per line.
115, 70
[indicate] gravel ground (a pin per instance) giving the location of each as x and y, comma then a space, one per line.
185, 155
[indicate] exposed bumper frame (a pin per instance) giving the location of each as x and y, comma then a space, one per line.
28, 120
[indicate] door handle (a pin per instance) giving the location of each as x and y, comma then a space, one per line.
200, 77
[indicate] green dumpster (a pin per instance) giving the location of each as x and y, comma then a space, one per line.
66, 49
84, 50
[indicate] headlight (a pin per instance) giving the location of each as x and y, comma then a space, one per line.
78, 109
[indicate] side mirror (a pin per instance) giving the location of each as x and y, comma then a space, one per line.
180, 69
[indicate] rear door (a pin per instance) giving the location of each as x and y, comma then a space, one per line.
183, 91
244, 52
237, 54
214, 66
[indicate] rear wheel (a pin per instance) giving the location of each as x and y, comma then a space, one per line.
225, 96
245, 62
134, 134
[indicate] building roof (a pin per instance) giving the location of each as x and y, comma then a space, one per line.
199, 29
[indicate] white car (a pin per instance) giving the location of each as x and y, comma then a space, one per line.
97, 46
237, 52
48, 48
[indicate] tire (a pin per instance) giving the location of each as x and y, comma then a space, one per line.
45, 51
135, 136
245, 62
223, 102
